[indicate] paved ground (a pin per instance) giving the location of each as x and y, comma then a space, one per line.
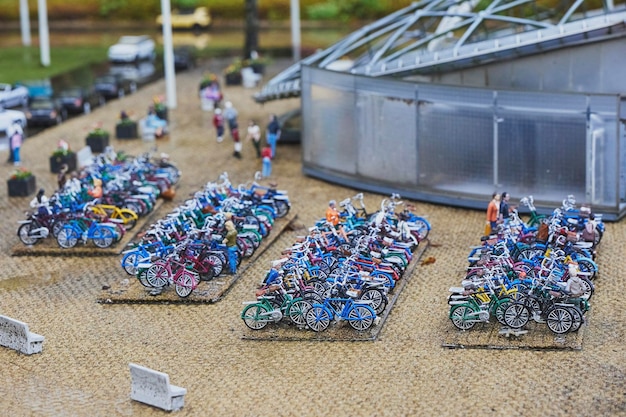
83, 370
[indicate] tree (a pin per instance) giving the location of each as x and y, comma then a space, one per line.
252, 28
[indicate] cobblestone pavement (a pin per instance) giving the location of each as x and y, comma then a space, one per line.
83, 370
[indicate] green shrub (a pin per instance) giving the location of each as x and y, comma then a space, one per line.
323, 11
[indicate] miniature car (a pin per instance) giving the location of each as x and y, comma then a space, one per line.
80, 100
8, 117
45, 112
114, 86
194, 19
132, 48
13, 95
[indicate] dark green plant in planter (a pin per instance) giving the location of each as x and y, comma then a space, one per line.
159, 107
63, 156
257, 63
21, 183
232, 73
126, 129
98, 140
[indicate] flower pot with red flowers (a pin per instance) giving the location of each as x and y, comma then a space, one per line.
21, 183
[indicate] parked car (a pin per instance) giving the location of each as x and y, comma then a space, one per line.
132, 48
290, 127
139, 72
80, 100
8, 117
45, 112
184, 58
114, 86
38, 88
13, 95
194, 19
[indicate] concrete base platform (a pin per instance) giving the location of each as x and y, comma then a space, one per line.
537, 337
128, 289
50, 247
337, 331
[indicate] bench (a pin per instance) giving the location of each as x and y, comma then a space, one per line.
154, 388
14, 334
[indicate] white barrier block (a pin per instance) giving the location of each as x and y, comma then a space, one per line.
14, 334
154, 388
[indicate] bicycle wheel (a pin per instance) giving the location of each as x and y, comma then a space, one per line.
422, 229
588, 288
577, 318
297, 311
217, 263
129, 220
129, 262
67, 238
103, 237
142, 276
318, 318
361, 318
378, 299
559, 320
282, 208
23, 232
255, 316
516, 315
157, 275
462, 316
57, 226
184, 284
501, 306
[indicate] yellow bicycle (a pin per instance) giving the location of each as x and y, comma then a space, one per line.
128, 218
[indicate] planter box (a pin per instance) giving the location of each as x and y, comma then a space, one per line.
97, 143
161, 114
233, 78
22, 187
126, 131
56, 162
258, 68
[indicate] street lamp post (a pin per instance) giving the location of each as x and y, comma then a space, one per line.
168, 55
44, 38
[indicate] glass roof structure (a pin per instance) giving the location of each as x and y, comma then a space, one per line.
438, 36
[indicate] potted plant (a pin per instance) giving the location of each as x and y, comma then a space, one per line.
21, 183
126, 128
159, 107
256, 62
98, 139
63, 155
232, 73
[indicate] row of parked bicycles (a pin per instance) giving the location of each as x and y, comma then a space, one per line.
342, 272
541, 270
100, 202
186, 246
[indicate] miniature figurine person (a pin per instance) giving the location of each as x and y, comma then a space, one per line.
230, 114
96, 191
237, 143
273, 133
505, 209
15, 127
159, 125
218, 123
16, 143
266, 154
493, 211
254, 134
332, 215
230, 240
40, 202
61, 177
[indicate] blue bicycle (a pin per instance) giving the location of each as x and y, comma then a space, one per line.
358, 313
